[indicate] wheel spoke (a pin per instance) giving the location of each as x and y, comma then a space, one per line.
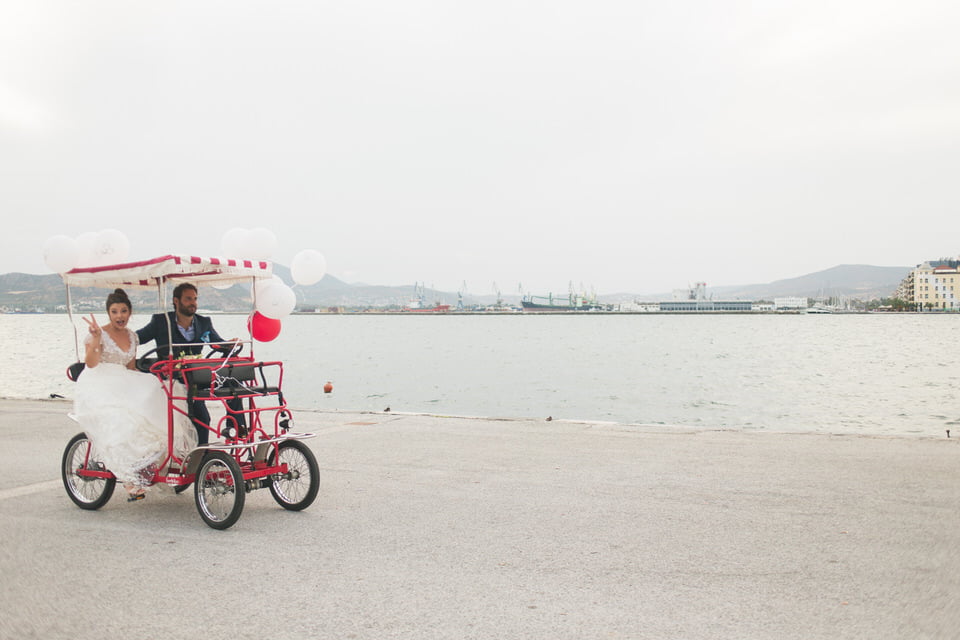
217, 492
295, 483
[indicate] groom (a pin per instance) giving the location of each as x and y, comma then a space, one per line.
191, 333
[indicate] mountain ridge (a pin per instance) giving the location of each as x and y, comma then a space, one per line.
27, 292
865, 282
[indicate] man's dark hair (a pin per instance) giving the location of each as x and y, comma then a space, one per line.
180, 288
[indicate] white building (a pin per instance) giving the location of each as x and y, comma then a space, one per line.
936, 285
791, 302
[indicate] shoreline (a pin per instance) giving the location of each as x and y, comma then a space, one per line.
599, 424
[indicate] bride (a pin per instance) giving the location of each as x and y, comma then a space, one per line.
123, 411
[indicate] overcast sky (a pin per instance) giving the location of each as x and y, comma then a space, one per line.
623, 144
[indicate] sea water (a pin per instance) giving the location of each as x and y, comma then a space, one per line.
858, 373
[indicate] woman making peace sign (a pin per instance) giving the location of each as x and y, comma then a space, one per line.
123, 411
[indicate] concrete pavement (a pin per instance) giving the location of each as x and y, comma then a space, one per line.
433, 527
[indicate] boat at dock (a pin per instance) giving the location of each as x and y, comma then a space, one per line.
573, 302
817, 309
419, 304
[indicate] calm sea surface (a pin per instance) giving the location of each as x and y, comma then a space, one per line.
871, 374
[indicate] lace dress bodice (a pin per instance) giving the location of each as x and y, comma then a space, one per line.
112, 353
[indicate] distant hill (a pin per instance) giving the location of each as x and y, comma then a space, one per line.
848, 280
855, 281
25, 292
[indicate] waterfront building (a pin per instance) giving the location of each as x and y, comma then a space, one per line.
707, 305
638, 307
789, 303
935, 285
906, 289
694, 299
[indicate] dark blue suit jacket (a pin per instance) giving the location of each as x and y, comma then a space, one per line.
157, 330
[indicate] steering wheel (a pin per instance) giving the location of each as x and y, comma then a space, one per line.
226, 349
144, 362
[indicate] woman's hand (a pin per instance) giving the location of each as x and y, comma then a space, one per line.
92, 325
92, 356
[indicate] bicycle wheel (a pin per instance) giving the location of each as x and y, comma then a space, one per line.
219, 490
296, 489
86, 492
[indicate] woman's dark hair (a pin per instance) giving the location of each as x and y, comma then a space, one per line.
119, 296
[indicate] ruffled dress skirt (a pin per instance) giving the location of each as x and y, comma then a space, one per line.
124, 413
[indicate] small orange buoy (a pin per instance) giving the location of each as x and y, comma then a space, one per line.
327, 388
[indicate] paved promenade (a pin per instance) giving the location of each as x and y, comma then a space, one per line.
448, 528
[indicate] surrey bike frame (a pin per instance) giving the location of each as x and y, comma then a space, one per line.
210, 380
259, 454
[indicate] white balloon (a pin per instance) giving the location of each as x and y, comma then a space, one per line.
308, 267
86, 256
111, 247
276, 300
261, 244
259, 286
234, 243
60, 253
248, 246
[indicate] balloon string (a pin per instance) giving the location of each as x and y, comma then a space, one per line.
219, 380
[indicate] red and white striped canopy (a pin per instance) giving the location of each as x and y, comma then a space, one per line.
150, 273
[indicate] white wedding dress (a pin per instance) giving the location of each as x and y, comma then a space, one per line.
124, 413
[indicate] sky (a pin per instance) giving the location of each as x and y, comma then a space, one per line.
619, 145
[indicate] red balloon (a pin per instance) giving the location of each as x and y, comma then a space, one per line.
262, 328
